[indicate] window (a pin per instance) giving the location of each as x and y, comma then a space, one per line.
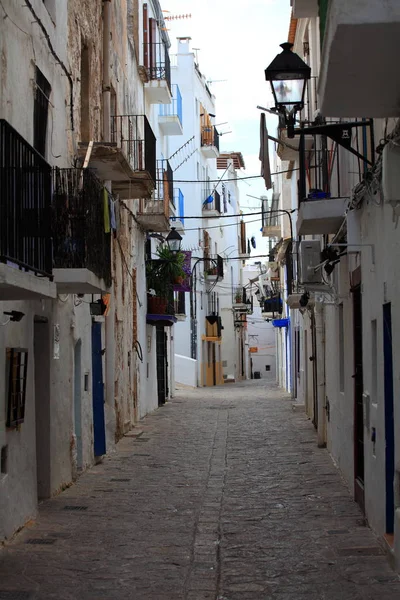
16, 373
40, 112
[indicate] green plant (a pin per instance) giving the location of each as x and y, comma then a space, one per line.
162, 272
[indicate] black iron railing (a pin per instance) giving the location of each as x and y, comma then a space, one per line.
165, 182
212, 200
158, 61
134, 135
322, 172
25, 197
242, 299
272, 305
216, 138
79, 224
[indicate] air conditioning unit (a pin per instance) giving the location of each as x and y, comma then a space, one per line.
309, 258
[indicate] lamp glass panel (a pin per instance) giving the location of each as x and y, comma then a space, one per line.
289, 91
174, 245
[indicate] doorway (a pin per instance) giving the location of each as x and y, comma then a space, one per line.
99, 428
358, 394
41, 349
162, 365
313, 358
78, 403
389, 416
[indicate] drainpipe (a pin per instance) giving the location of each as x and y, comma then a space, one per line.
110, 319
320, 343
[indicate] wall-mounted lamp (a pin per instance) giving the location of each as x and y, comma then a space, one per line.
288, 75
174, 240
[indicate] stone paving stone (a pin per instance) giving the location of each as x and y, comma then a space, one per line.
212, 497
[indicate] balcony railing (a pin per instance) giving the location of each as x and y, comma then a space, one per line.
212, 200
175, 108
179, 204
134, 135
25, 198
210, 136
156, 59
78, 223
242, 300
323, 174
165, 183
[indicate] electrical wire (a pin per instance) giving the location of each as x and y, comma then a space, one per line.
217, 180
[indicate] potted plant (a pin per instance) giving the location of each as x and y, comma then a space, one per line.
162, 273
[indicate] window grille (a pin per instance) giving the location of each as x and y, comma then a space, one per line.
16, 375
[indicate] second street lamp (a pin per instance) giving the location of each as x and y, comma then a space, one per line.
174, 240
288, 75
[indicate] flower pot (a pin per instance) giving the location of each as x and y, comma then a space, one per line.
178, 280
156, 305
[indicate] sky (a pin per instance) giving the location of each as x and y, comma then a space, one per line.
236, 40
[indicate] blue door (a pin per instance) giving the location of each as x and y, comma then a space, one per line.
389, 416
99, 429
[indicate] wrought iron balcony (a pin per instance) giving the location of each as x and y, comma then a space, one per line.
128, 159
213, 267
82, 258
272, 306
170, 115
25, 231
212, 203
157, 68
154, 214
209, 140
322, 203
242, 301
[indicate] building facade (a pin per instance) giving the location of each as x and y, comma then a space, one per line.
343, 303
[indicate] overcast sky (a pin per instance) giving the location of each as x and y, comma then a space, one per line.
236, 41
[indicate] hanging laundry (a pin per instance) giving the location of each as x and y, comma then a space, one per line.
106, 209
113, 221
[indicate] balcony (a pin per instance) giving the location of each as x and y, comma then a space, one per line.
161, 300
242, 301
82, 256
272, 307
25, 220
270, 222
244, 243
304, 8
157, 67
154, 214
170, 115
129, 160
322, 209
290, 149
358, 41
212, 204
178, 221
209, 141
213, 268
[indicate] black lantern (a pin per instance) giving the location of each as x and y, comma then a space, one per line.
288, 75
174, 240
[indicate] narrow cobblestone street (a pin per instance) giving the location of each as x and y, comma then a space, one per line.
220, 494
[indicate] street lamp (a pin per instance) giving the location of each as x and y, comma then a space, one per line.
288, 75
174, 240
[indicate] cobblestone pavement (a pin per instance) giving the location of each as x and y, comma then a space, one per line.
221, 495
